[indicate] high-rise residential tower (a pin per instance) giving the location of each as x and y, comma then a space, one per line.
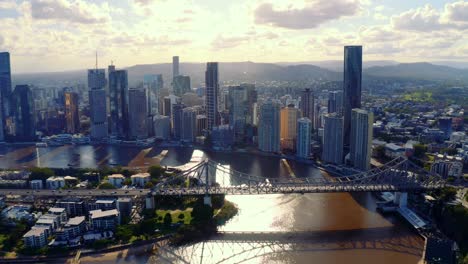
332, 150
351, 86
24, 114
72, 116
269, 127
5, 86
307, 104
181, 85
175, 66
189, 125
289, 117
98, 103
118, 88
212, 90
361, 138
335, 102
137, 114
304, 128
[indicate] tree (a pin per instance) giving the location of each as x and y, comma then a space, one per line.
149, 185
124, 232
167, 219
419, 150
106, 186
127, 181
380, 152
202, 214
155, 171
41, 173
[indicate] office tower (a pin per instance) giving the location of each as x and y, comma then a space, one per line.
97, 103
212, 89
137, 114
304, 128
72, 116
181, 85
5, 89
335, 102
167, 109
289, 117
2, 130
238, 110
118, 88
201, 124
332, 151
269, 127
24, 114
162, 127
445, 124
307, 104
351, 86
188, 125
361, 138
153, 84
177, 111
175, 66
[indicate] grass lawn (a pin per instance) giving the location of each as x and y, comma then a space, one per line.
175, 215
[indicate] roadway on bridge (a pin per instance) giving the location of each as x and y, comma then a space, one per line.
75, 192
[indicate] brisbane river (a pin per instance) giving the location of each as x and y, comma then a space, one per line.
295, 228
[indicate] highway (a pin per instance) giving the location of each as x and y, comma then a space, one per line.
76, 192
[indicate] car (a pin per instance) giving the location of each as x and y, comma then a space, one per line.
126, 191
114, 192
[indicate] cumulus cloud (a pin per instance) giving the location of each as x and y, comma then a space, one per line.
7, 4
311, 15
427, 18
77, 11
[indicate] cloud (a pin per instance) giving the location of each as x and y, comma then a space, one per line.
229, 42
309, 16
7, 4
427, 18
77, 11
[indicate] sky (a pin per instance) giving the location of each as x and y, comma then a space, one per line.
59, 35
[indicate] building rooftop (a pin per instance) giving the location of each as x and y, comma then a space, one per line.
75, 221
116, 176
56, 210
141, 175
101, 214
105, 201
35, 231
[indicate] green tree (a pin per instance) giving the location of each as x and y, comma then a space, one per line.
106, 186
124, 232
419, 150
40, 173
167, 219
155, 171
149, 185
127, 181
202, 214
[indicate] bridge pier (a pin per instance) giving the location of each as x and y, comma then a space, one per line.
400, 199
207, 200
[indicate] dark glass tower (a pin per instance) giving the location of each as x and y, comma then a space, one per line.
307, 104
212, 87
5, 83
25, 124
118, 88
351, 86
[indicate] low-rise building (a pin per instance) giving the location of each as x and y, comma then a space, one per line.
103, 220
75, 227
393, 150
140, 179
124, 206
18, 212
36, 184
116, 180
73, 206
447, 166
102, 204
36, 237
54, 183
61, 213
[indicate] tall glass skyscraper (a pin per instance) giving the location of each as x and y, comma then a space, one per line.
335, 102
97, 103
307, 104
212, 90
5, 86
304, 128
175, 66
138, 114
269, 127
72, 116
24, 114
332, 151
118, 88
351, 86
361, 138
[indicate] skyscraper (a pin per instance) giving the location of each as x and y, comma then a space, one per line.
289, 117
118, 88
5, 86
212, 89
24, 114
307, 104
269, 127
335, 102
175, 66
98, 103
181, 85
238, 110
361, 138
137, 114
2, 130
351, 86
72, 116
188, 125
177, 123
304, 128
162, 127
153, 83
332, 151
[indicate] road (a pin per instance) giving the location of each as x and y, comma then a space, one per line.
76, 192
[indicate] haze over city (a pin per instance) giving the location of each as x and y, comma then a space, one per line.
60, 35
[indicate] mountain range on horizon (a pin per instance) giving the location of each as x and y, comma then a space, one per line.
282, 71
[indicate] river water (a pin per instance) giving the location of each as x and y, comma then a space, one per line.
309, 228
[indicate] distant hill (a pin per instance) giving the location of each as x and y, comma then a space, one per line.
337, 65
251, 72
420, 71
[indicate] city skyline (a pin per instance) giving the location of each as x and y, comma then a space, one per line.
64, 35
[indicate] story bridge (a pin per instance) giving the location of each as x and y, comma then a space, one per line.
209, 177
